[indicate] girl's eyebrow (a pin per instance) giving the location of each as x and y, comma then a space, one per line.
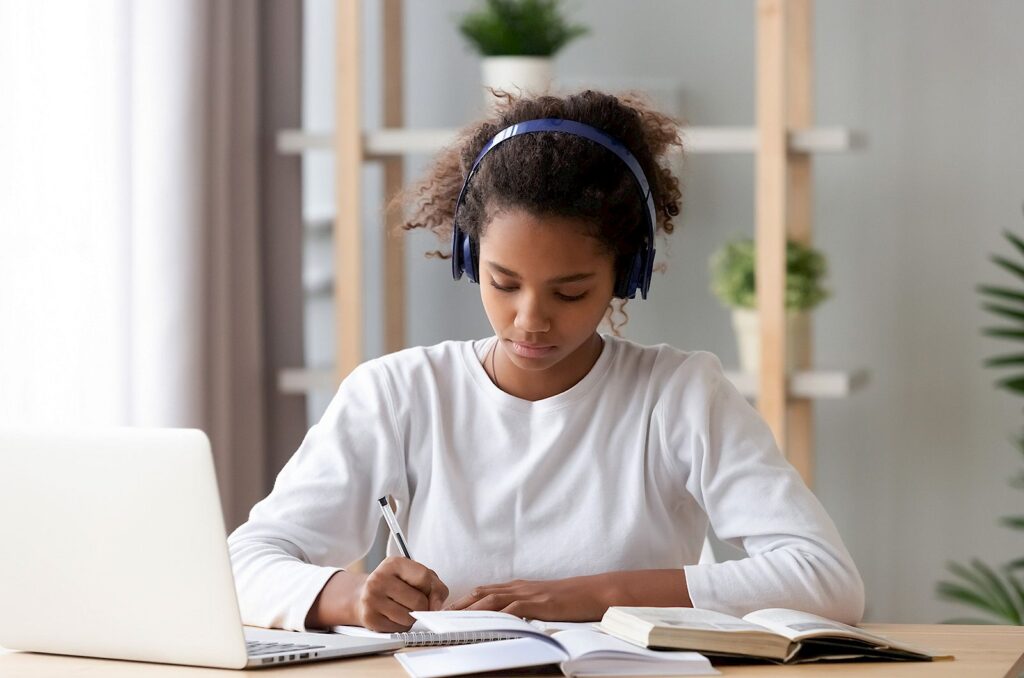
574, 277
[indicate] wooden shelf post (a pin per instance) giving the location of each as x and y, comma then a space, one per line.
394, 177
348, 194
783, 210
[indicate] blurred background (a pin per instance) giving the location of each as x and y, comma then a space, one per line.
166, 259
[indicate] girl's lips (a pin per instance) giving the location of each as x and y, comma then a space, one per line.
531, 350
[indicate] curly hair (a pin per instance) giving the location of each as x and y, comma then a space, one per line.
549, 173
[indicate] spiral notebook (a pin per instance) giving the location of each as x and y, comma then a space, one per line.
420, 636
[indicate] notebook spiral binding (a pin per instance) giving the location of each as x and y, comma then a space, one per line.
426, 638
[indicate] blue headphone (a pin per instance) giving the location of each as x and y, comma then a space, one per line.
465, 257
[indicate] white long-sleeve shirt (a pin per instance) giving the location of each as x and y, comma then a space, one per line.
623, 471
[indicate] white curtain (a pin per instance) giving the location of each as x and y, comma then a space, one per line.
131, 242
64, 213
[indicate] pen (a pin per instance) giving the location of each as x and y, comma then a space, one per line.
392, 521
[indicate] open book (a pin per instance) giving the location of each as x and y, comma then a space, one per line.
776, 634
577, 651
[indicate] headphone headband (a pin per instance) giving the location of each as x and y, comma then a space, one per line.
638, 277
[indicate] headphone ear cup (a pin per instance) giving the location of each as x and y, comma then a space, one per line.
469, 258
457, 265
626, 289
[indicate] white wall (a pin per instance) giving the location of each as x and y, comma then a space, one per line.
914, 468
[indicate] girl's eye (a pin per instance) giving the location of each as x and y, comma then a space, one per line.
563, 297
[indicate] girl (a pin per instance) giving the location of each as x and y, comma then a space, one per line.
549, 471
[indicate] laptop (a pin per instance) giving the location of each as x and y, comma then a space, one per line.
113, 545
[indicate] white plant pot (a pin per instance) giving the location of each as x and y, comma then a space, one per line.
746, 324
516, 75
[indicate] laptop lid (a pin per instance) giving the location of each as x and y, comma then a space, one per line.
114, 546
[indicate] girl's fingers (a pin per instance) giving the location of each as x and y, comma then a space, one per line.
422, 578
394, 612
414, 573
438, 594
470, 598
515, 589
408, 597
461, 603
525, 608
493, 601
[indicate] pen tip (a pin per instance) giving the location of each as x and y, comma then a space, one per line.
383, 501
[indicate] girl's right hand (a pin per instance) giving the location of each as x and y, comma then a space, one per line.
381, 600
395, 588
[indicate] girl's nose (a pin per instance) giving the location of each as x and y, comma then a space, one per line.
531, 316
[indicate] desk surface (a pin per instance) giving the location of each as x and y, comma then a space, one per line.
981, 652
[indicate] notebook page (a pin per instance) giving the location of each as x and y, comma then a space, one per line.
453, 621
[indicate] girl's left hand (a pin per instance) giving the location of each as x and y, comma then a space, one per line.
574, 599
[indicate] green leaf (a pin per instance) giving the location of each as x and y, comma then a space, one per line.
733, 275
977, 588
988, 587
1003, 262
1003, 360
1000, 593
1001, 293
1016, 522
1004, 311
1003, 333
1017, 242
1018, 591
1015, 564
959, 594
1016, 384
519, 27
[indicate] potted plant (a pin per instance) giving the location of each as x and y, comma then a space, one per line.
518, 39
733, 282
998, 591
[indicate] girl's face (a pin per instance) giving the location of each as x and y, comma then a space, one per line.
545, 286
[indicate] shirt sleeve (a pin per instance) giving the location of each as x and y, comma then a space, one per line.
756, 500
322, 512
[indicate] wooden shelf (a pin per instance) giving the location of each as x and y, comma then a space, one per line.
303, 380
813, 385
783, 142
389, 143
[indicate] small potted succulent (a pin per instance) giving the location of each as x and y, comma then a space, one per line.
517, 39
733, 283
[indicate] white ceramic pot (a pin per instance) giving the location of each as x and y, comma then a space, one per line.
515, 74
746, 324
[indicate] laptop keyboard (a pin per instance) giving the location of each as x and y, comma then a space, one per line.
256, 648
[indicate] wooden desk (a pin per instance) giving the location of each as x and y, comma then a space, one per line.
981, 652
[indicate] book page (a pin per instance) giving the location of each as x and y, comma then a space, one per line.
552, 627
797, 625
580, 643
693, 618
